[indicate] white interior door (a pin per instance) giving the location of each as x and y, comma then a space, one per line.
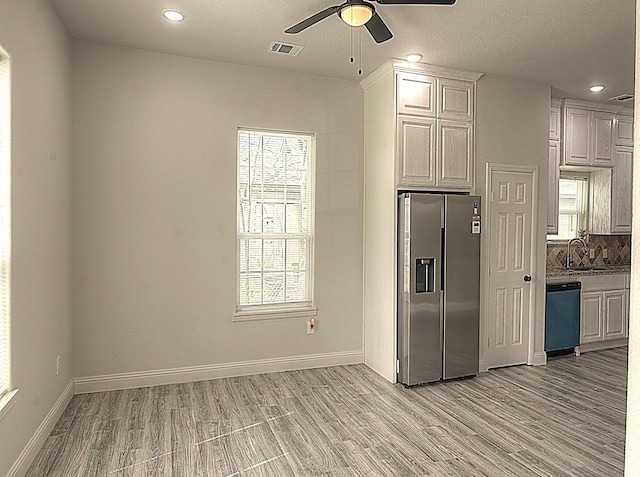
508, 317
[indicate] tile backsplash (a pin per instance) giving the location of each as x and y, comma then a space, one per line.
618, 252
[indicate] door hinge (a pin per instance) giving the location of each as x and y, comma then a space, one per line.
397, 366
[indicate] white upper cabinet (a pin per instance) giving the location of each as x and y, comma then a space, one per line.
622, 190
554, 166
623, 130
554, 178
416, 155
602, 130
554, 120
416, 94
588, 135
434, 128
611, 198
577, 141
455, 154
455, 99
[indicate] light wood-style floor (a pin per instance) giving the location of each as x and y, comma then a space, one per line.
563, 419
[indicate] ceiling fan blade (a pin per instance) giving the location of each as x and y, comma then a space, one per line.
312, 20
378, 29
415, 2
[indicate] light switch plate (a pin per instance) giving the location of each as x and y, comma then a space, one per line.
604, 253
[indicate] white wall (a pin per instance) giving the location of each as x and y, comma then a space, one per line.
154, 175
31, 33
632, 446
512, 127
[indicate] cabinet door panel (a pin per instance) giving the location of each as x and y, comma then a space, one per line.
590, 317
455, 99
622, 191
416, 94
615, 323
552, 201
416, 151
455, 167
602, 139
624, 131
554, 124
577, 137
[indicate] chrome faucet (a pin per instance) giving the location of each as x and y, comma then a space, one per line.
569, 259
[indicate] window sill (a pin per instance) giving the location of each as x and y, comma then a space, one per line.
7, 401
275, 313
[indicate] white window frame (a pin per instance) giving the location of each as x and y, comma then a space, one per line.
304, 306
582, 212
7, 394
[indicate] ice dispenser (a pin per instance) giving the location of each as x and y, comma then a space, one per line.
425, 275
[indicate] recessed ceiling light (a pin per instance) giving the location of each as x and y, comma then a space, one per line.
413, 57
596, 88
173, 15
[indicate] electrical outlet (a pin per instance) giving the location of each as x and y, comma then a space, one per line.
604, 253
58, 366
311, 326
592, 253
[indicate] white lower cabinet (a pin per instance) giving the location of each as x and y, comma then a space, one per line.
615, 314
604, 308
591, 317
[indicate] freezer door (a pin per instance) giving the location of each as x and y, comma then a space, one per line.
419, 288
461, 286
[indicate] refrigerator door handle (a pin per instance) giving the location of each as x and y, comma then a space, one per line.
443, 262
443, 330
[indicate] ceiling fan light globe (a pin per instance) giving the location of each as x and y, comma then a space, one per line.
356, 15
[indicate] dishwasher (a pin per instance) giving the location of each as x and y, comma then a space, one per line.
562, 318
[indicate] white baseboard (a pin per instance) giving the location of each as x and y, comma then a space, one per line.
600, 345
24, 460
482, 367
112, 382
539, 358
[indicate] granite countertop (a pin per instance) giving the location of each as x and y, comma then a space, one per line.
571, 272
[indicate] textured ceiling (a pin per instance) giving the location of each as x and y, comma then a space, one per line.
567, 44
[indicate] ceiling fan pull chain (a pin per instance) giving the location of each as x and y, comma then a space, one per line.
360, 51
351, 59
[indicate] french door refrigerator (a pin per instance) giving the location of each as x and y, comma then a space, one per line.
438, 287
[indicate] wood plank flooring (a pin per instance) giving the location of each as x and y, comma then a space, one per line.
563, 419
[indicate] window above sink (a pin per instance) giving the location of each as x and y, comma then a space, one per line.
573, 195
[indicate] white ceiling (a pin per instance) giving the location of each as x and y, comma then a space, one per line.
568, 44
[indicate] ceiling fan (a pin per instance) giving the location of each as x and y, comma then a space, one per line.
360, 12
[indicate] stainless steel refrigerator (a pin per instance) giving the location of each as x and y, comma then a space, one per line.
438, 286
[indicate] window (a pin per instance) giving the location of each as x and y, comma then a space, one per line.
5, 227
572, 206
274, 223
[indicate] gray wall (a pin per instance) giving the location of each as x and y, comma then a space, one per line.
155, 209
512, 127
32, 35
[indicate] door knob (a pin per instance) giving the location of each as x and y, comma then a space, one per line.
527, 278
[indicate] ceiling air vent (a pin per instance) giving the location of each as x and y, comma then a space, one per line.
622, 98
285, 48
